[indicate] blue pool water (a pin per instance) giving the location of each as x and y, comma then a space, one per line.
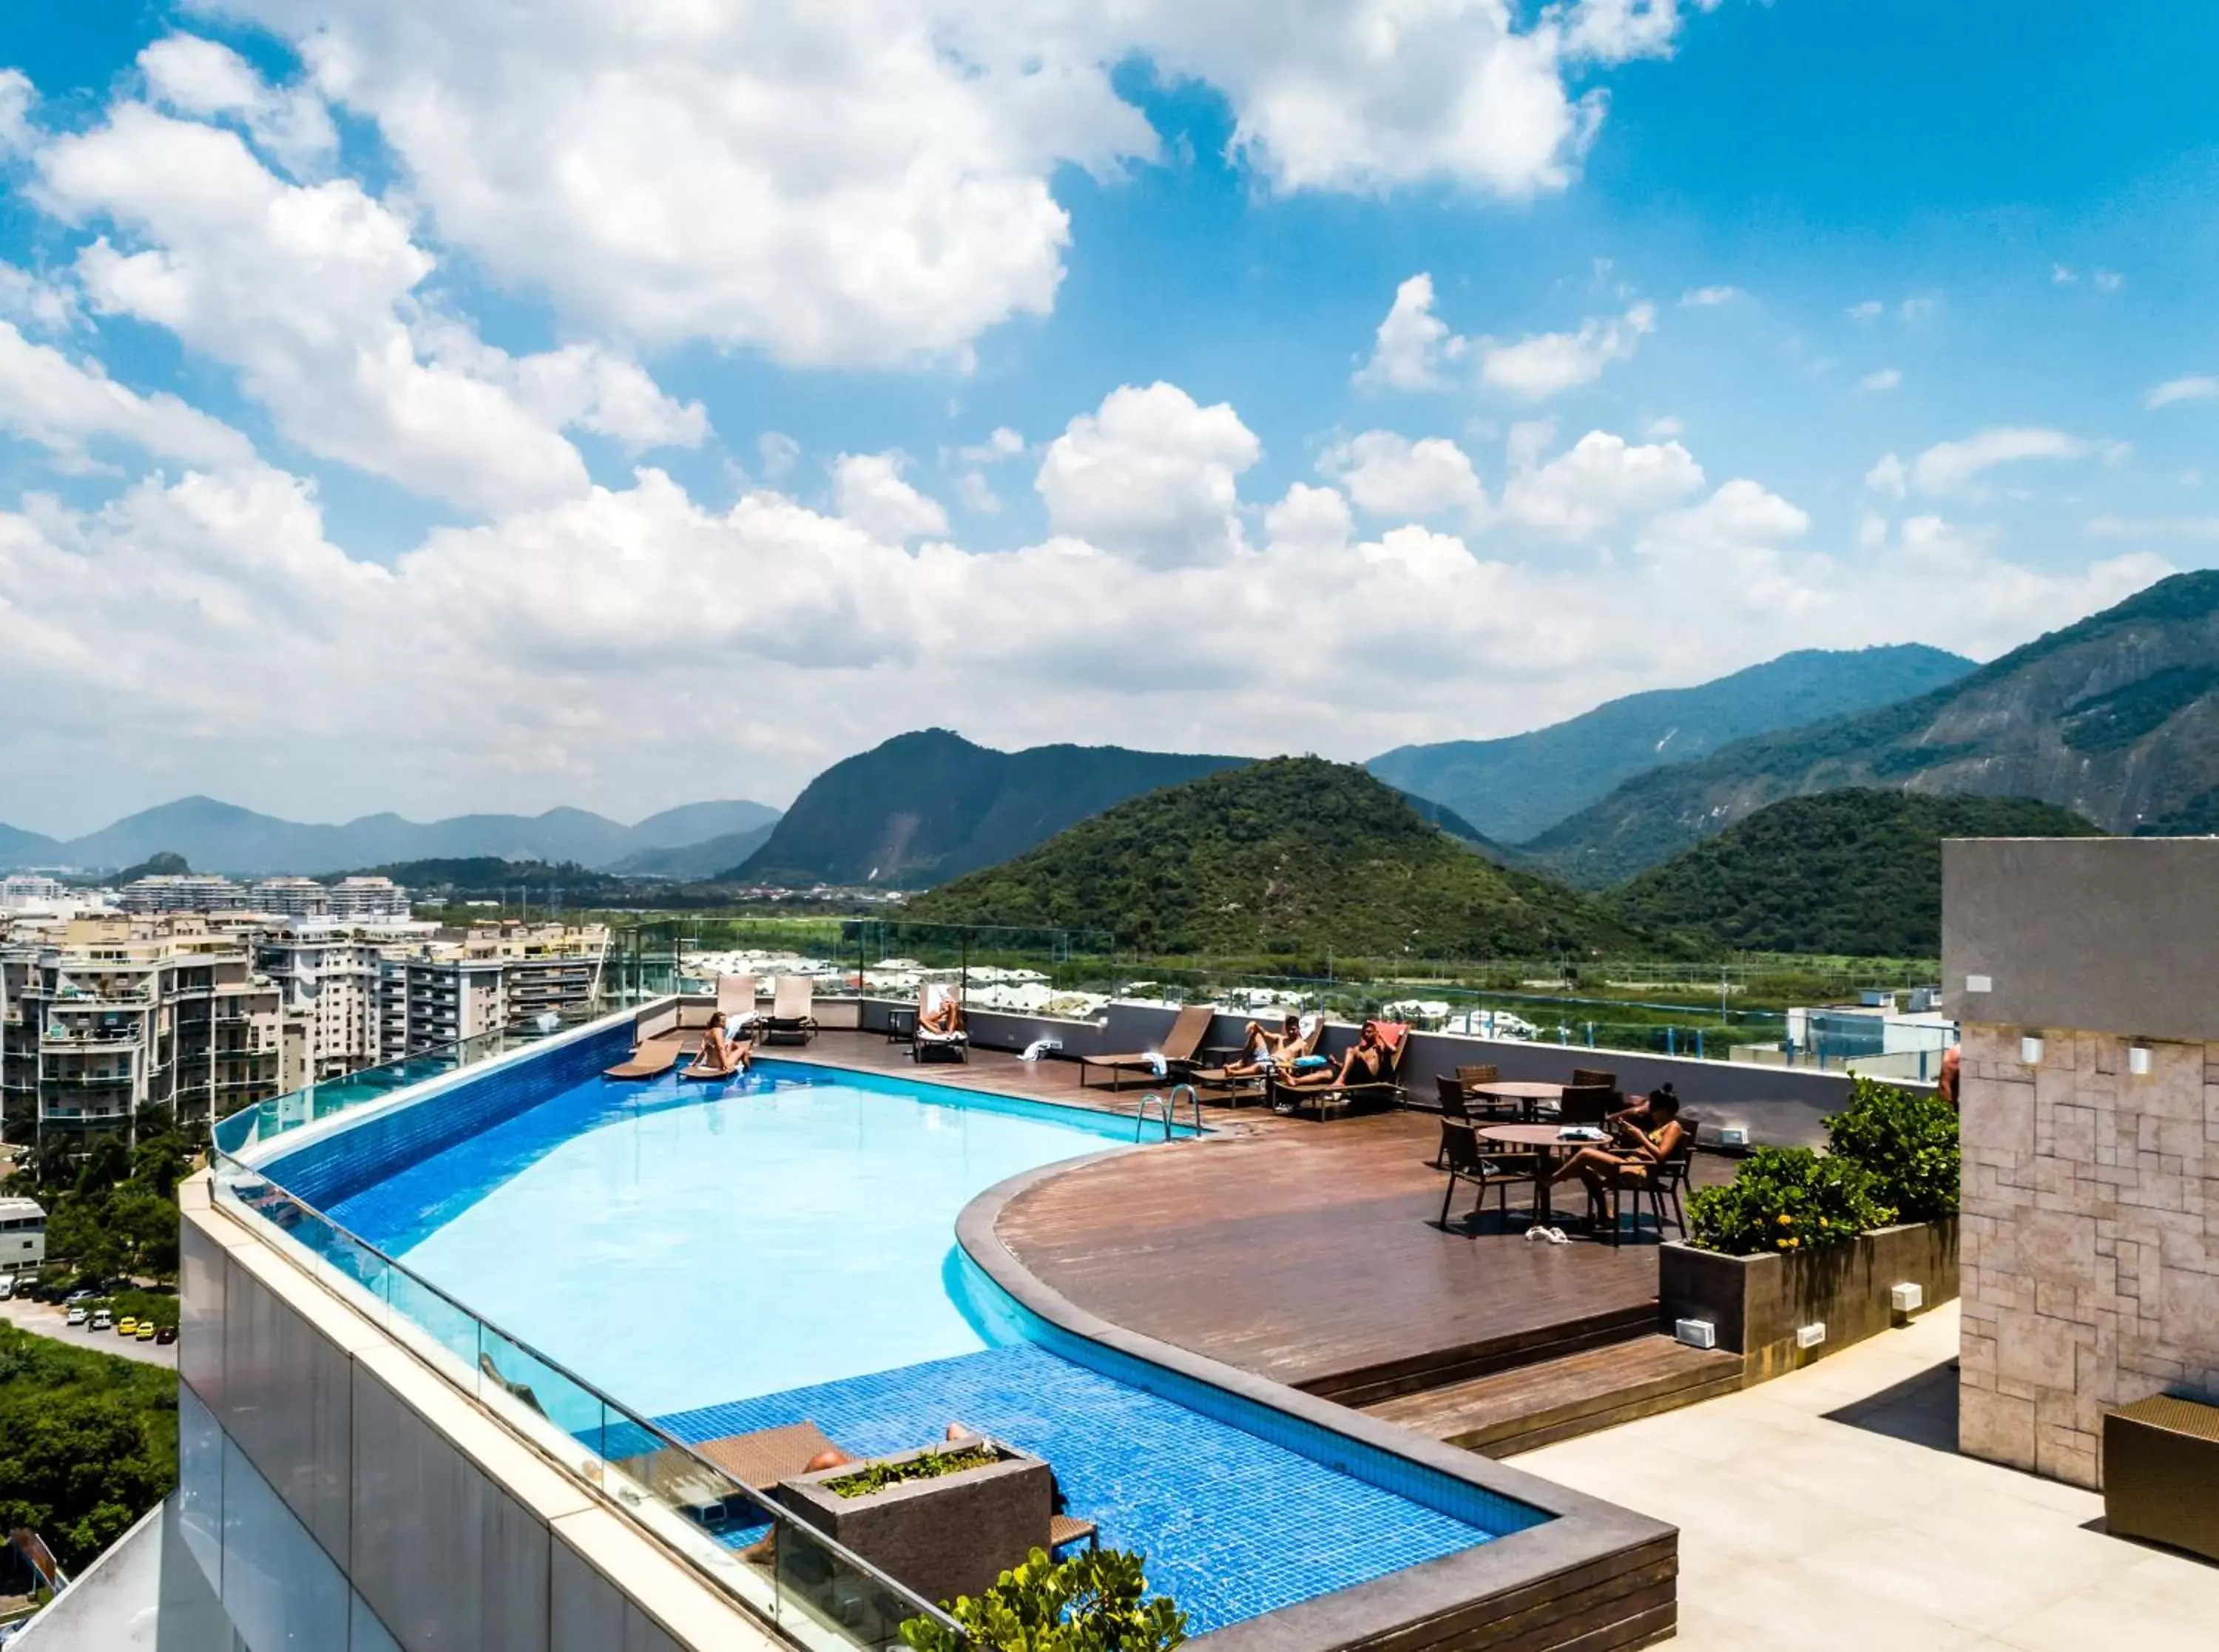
737, 1255
680, 1243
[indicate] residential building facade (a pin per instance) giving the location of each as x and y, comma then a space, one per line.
190, 891
489, 977
104, 1018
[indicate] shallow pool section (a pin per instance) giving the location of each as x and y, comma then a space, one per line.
680, 1245
1234, 1525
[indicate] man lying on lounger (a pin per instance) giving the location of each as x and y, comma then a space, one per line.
1368, 1062
1262, 1050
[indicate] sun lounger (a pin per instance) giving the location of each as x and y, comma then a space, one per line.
1234, 1087
952, 1045
649, 1060
764, 1457
1064, 1530
735, 997
1329, 1100
1181, 1045
792, 999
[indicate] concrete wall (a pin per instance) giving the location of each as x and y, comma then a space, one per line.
1778, 1105
2117, 933
2089, 1265
337, 1493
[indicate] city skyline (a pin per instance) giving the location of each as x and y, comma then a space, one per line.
404, 415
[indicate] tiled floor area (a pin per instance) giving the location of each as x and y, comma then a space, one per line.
1827, 1510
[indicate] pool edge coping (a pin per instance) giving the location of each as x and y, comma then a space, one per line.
1582, 1531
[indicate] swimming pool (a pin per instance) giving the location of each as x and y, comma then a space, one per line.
680, 1243
738, 1255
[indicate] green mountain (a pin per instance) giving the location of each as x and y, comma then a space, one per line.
1292, 854
21, 848
2115, 718
224, 838
694, 861
1515, 788
931, 805
1856, 871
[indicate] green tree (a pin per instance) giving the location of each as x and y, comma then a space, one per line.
87, 1443
1094, 1601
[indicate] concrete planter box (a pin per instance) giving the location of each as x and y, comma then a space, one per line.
1758, 1302
948, 1535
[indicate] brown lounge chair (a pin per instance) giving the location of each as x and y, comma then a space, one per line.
1181, 1045
767, 1455
649, 1060
791, 1005
1234, 1087
1324, 1099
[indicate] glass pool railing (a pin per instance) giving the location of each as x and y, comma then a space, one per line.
820, 1596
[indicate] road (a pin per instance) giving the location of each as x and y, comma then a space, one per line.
45, 1319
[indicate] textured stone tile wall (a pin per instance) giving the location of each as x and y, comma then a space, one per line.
2090, 1261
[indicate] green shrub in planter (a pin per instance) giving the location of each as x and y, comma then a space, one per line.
1787, 1199
1907, 1141
1096, 1601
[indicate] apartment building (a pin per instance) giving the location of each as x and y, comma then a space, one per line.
351, 900
327, 979
489, 977
188, 891
102, 1018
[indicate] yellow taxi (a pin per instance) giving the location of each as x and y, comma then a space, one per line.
146, 1330
127, 1327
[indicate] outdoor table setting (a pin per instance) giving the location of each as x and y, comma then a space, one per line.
1529, 1094
1547, 1139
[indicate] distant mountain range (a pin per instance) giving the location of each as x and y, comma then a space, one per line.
223, 837
931, 805
1292, 856
1515, 788
1855, 872
2115, 718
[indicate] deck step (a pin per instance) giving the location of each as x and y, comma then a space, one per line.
1437, 1369
1550, 1400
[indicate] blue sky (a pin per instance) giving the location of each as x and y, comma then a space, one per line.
608, 417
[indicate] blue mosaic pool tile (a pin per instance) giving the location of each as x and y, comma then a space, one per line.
1234, 1525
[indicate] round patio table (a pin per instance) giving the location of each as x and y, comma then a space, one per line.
1528, 1093
1536, 1138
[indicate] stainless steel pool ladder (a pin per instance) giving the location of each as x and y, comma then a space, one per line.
1167, 1105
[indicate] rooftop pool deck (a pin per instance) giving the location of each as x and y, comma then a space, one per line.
736, 1255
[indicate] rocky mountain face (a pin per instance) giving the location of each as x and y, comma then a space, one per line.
2115, 718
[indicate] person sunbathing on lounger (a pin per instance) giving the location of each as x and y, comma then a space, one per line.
1643, 1136
1367, 1062
721, 1056
1262, 1049
945, 1015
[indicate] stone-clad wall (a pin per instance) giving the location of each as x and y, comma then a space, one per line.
2090, 1268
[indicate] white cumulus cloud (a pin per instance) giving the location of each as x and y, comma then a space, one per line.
1599, 480
1150, 474
1387, 475
1412, 344
200, 77
1549, 364
867, 490
1951, 467
63, 405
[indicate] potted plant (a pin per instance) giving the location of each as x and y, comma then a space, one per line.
945, 1521
1801, 1239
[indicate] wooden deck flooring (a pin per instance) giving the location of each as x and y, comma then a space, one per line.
1304, 1252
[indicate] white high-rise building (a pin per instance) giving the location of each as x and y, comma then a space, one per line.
368, 900
188, 891
292, 897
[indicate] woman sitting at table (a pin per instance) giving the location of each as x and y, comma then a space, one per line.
1643, 1136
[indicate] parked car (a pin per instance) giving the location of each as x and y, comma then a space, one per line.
167, 1333
79, 1296
6, 1286
127, 1326
76, 1315
146, 1330
102, 1319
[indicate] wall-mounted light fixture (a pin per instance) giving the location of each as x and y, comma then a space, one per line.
2138, 1059
2029, 1049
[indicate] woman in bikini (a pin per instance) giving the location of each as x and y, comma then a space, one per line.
721, 1056
1643, 1137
